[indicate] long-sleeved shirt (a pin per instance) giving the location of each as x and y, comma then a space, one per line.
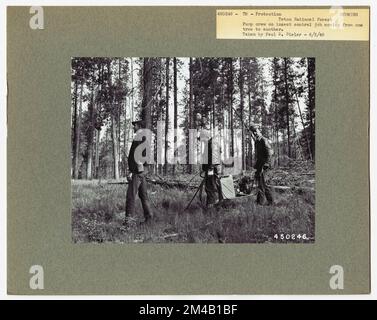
263, 150
132, 163
211, 155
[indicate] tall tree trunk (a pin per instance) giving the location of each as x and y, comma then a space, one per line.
214, 106
175, 111
287, 106
125, 140
91, 110
241, 80
277, 130
119, 114
132, 89
96, 160
167, 118
129, 127
98, 126
146, 104
106, 148
114, 137
223, 124
190, 105
304, 128
160, 118
293, 137
230, 86
311, 100
76, 132
250, 164
263, 112
115, 146
195, 121
73, 127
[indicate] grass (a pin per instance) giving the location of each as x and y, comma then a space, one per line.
98, 214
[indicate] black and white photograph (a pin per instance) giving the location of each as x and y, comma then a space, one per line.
193, 149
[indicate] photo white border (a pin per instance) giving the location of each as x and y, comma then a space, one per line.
373, 145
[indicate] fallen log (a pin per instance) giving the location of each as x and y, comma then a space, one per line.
294, 188
117, 182
172, 184
171, 235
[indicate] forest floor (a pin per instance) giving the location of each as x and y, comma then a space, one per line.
98, 213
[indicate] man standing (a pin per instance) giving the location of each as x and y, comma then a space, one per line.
263, 153
137, 184
211, 167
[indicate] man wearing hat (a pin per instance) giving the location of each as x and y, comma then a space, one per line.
263, 153
137, 184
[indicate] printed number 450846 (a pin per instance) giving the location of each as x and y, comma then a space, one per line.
290, 236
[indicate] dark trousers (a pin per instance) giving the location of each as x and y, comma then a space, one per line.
137, 186
213, 188
264, 192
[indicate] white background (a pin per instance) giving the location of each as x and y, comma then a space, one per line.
3, 139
